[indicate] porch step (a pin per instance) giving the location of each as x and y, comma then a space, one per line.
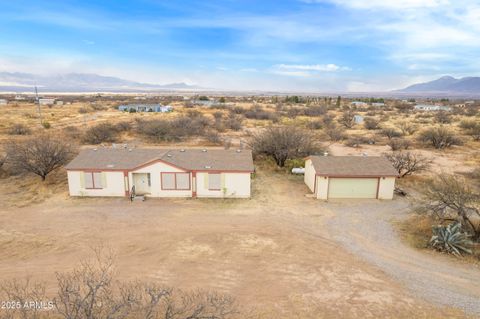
138, 197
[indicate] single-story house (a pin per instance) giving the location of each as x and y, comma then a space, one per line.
428, 107
46, 101
123, 171
359, 104
378, 104
146, 108
330, 177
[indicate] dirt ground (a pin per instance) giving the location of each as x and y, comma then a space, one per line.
275, 253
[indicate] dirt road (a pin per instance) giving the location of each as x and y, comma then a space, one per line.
366, 229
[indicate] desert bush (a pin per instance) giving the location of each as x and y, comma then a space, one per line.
259, 113
315, 125
123, 126
315, 110
390, 133
238, 110
83, 110
371, 123
39, 155
439, 137
46, 125
408, 163
347, 119
407, 128
283, 143
451, 197
19, 129
174, 129
234, 122
356, 141
443, 117
100, 133
328, 119
335, 134
471, 128
451, 239
398, 144
213, 137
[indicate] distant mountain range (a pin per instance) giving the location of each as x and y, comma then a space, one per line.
446, 85
79, 82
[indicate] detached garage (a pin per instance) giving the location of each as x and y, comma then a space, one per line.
331, 177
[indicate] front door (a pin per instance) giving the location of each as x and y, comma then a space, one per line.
142, 183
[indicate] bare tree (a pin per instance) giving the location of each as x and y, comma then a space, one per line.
39, 155
390, 133
282, 143
451, 197
347, 119
439, 137
371, 123
407, 163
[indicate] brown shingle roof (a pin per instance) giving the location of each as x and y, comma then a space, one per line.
361, 166
188, 159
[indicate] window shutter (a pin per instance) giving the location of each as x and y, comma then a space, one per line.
82, 180
222, 183
205, 180
104, 180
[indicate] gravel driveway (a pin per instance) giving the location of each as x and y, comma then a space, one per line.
365, 229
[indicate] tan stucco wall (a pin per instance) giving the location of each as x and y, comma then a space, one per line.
236, 185
322, 187
309, 176
115, 185
386, 188
155, 180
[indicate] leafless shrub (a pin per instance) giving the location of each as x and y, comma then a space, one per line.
282, 143
390, 133
443, 117
439, 137
408, 163
234, 122
100, 133
83, 110
213, 137
258, 113
471, 128
123, 126
371, 123
398, 144
356, 141
315, 125
175, 129
335, 133
98, 107
407, 128
19, 129
39, 155
450, 197
315, 110
347, 119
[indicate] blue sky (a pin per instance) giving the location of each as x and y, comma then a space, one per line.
301, 45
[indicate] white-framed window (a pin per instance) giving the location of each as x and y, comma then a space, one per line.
175, 181
214, 182
93, 180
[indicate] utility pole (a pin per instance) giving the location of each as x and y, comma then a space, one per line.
37, 101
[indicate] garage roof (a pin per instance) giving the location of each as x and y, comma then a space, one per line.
121, 158
353, 166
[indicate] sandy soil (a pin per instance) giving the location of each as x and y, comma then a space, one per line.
273, 253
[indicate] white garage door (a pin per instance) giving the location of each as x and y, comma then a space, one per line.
352, 188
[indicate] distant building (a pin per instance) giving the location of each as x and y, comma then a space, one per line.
45, 101
19, 97
60, 103
358, 119
358, 103
146, 108
429, 107
3, 102
378, 104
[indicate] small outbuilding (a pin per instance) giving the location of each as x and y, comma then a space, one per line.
330, 177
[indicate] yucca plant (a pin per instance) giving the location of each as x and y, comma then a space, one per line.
451, 239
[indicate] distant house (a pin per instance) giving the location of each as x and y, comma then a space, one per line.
330, 177
122, 171
59, 103
146, 108
378, 104
358, 119
429, 107
3, 102
358, 104
46, 101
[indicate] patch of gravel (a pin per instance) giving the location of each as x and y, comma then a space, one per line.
365, 229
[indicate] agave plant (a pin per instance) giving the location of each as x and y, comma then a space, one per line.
451, 239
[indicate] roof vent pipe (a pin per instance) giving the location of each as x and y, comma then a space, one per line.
204, 150
325, 153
